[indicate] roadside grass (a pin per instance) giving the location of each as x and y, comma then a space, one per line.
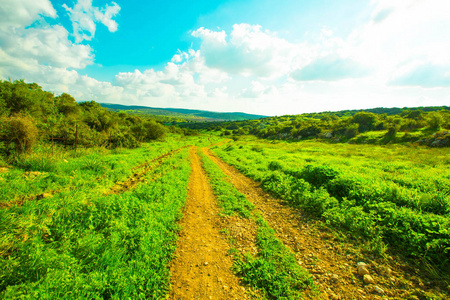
81, 244
392, 197
43, 172
274, 270
84, 243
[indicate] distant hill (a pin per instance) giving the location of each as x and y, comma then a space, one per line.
182, 114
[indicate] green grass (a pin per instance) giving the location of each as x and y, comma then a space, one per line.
273, 270
80, 245
230, 200
84, 243
393, 197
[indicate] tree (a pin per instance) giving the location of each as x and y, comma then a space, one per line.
366, 121
19, 132
435, 120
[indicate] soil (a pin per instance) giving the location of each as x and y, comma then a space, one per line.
202, 268
333, 263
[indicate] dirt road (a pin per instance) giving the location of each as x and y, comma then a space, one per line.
332, 263
201, 268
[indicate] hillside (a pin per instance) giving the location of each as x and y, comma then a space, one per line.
183, 115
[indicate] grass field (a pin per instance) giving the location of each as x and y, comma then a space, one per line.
104, 224
389, 197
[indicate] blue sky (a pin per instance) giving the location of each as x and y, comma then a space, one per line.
268, 57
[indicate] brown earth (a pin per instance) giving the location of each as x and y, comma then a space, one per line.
332, 262
201, 268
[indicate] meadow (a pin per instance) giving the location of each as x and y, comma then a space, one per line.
103, 223
96, 234
389, 199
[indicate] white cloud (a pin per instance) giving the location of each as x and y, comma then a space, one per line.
249, 51
84, 17
20, 13
48, 45
256, 90
422, 74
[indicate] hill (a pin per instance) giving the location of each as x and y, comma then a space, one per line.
183, 115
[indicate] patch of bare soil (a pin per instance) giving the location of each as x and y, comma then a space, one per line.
4, 169
201, 268
332, 263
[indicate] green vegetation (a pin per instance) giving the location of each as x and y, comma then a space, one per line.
426, 126
274, 269
82, 243
386, 197
230, 200
30, 116
179, 115
90, 198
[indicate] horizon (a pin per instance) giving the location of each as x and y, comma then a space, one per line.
266, 57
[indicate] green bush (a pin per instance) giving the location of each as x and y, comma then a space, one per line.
19, 133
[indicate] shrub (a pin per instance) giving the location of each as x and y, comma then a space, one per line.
317, 175
19, 133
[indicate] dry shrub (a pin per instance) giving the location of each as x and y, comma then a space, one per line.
19, 133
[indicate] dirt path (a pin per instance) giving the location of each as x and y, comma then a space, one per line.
332, 263
201, 268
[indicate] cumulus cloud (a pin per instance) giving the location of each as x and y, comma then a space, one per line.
248, 51
20, 13
173, 83
84, 17
38, 44
48, 45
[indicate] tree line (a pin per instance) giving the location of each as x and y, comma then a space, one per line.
389, 125
29, 115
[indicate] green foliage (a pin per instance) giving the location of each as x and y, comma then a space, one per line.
274, 270
19, 133
393, 198
435, 121
362, 126
83, 244
230, 200
30, 114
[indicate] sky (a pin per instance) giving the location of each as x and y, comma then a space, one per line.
270, 57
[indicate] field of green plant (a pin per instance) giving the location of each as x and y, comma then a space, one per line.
87, 240
274, 270
389, 198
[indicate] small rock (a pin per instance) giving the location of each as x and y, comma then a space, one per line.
378, 290
368, 279
206, 263
363, 271
361, 264
335, 277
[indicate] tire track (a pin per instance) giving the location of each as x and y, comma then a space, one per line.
132, 181
120, 187
332, 263
201, 268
